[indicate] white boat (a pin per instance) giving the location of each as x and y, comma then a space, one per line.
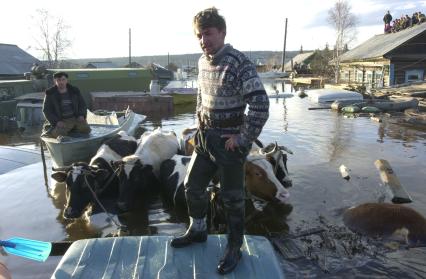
331, 95
180, 87
279, 95
74, 149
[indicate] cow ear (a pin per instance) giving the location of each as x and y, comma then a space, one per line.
59, 176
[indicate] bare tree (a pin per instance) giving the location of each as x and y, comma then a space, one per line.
52, 40
344, 22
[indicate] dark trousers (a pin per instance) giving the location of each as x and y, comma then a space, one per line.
209, 158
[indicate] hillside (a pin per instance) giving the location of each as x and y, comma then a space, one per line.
264, 57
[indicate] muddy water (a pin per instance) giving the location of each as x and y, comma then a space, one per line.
321, 140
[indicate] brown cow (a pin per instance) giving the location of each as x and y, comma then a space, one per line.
387, 220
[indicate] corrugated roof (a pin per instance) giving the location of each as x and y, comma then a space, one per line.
15, 61
297, 59
379, 45
152, 257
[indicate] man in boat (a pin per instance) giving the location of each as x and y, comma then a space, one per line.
64, 108
227, 82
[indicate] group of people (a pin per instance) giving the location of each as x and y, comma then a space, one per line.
227, 83
403, 22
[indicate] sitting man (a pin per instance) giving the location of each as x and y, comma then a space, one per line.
64, 108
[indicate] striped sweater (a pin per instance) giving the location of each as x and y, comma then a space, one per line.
227, 82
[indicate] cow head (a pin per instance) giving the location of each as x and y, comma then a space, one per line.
277, 156
77, 178
261, 180
187, 143
135, 178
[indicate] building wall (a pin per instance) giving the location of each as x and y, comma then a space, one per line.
371, 74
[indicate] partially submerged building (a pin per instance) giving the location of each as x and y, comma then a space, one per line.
300, 63
387, 59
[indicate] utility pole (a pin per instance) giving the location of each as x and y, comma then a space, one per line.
285, 39
130, 47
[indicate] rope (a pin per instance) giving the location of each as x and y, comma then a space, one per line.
100, 204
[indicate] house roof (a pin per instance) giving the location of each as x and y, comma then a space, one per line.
299, 59
101, 64
379, 45
15, 61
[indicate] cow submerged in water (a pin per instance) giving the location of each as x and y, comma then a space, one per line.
387, 220
99, 173
263, 167
140, 172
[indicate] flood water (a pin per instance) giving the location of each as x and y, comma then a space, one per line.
321, 141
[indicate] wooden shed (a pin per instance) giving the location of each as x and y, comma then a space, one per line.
387, 59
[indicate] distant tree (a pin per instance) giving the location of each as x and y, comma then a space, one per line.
327, 47
52, 38
172, 67
344, 22
345, 48
320, 63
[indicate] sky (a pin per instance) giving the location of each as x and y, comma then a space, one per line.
100, 29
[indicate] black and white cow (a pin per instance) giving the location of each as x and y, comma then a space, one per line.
140, 171
172, 175
99, 174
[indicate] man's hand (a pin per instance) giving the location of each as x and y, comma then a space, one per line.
60, 124
232, 142
81, 118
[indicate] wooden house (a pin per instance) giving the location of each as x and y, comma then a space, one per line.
387, 59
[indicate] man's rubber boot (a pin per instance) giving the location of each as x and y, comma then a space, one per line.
230, 260
189, 237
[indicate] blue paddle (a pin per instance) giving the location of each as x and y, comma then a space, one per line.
27, 248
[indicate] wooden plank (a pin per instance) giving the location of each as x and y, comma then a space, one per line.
390, 179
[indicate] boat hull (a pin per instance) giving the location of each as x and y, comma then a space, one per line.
83, 148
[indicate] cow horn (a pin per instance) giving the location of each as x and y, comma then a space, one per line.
67, 168
264, 150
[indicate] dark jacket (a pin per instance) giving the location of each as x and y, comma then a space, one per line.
387, 18
52, 104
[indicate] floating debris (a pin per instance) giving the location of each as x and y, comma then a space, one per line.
344, 171
388, 177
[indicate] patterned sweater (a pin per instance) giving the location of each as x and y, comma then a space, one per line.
227, 82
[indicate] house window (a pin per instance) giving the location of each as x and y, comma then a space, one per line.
82, 75
359, 76
414, 75
379, 79
369, 76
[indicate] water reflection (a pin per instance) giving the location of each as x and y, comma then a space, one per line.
321, 140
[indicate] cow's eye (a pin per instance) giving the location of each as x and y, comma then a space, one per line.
258, 174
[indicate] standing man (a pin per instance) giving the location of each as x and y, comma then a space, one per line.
387, 20
64, 108
227, 82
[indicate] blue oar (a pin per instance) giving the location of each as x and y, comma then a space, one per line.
27, 248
